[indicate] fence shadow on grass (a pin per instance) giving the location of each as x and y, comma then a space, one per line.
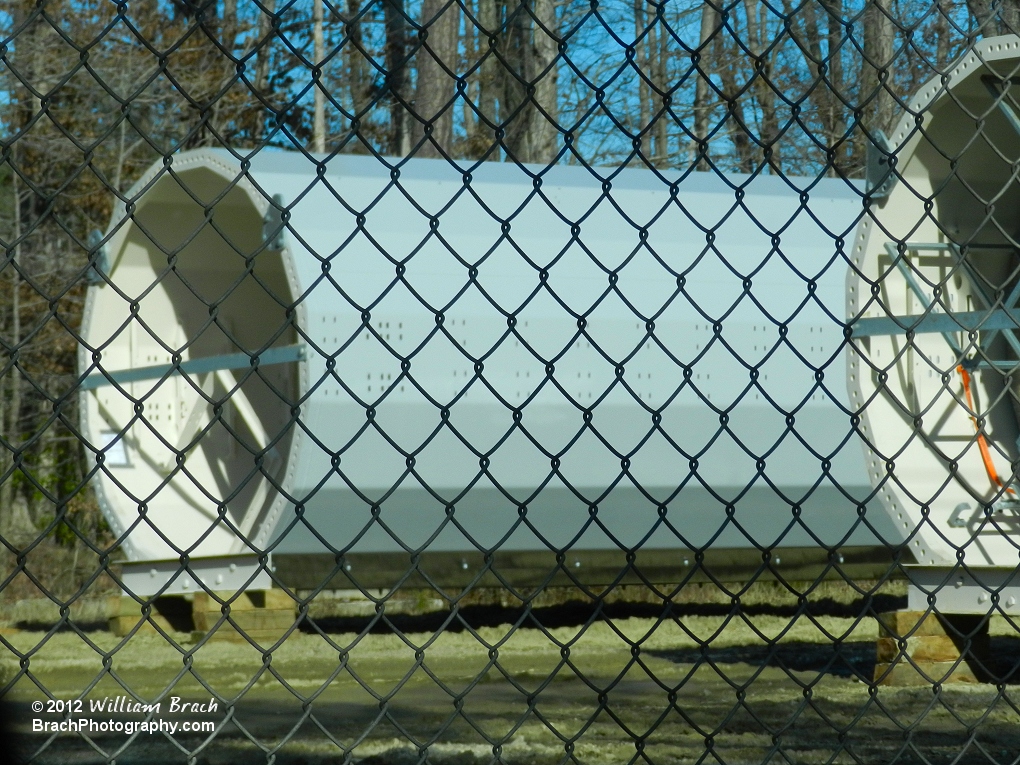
844, 660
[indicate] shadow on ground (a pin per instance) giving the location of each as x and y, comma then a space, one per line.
575, 613
846, 660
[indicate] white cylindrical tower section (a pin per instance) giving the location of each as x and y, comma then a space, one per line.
934, 287
490, 358
191, 440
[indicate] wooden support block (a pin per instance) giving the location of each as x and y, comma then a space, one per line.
264, 615
227, 633
903, 673
247, 620
122, 625
265, 620
925, 648
255, 600
172, 613
918, 648
897, 624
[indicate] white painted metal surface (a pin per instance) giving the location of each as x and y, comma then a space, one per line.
943, 241
958, 591
485, 346
168, 577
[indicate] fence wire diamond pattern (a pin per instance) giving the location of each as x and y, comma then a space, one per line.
408, 381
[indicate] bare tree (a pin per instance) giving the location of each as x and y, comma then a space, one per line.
15, 523
759, 38
661, 44
260, 43
397, 77
529, 108
482, 141
943, 37
876, 100
708, 44
996, 17
731, 71
651, 58
318, 59
437, 63
826, 88
642, 44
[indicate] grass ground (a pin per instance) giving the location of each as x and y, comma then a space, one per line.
764, 685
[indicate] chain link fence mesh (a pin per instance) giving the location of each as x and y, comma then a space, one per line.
409, 381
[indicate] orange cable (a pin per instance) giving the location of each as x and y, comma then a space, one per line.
986, 455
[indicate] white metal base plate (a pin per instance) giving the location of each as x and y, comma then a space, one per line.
168, 577
961, 591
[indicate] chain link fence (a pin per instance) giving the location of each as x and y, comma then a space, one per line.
410, 381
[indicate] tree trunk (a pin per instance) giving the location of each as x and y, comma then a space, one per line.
229, 26
264, 44
489, 81
641, 46
942, 39
358, 79
765, 94
744, 147
252, 120
397, 81
545, 111
734, 89
470, 101
836, 117
996, 17
661, 81
318, 56
876, 102
514, 105
15, 522
708, 44
828, 69
1009, 17
530, 85
437, 58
